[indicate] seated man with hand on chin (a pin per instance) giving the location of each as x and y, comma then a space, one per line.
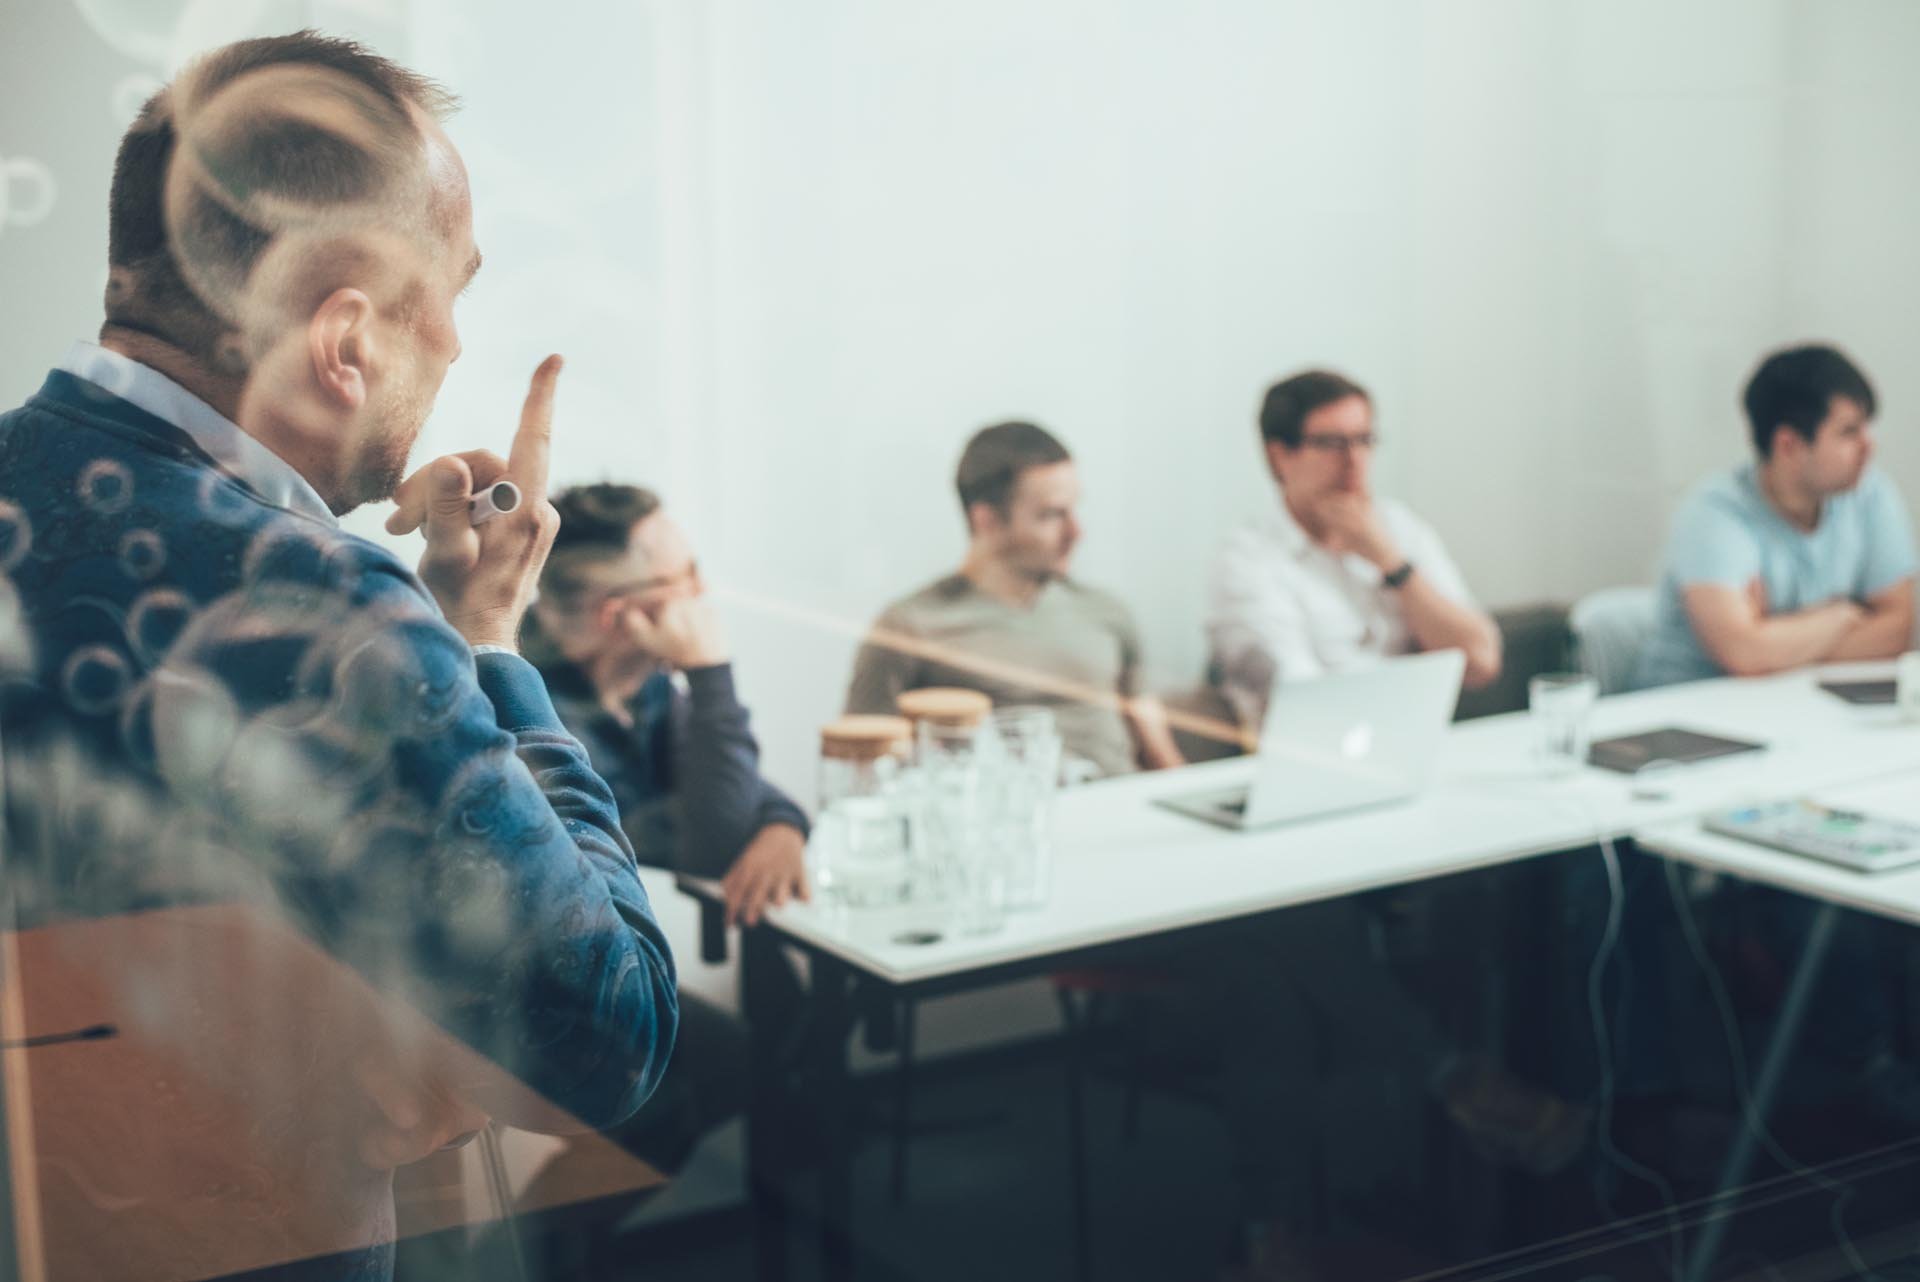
633, 657
1333, 576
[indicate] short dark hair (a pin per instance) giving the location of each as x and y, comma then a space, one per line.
596, 524
1795, 388
995, 457
276, 160
1283, 414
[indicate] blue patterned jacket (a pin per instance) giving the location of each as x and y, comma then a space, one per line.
207, 698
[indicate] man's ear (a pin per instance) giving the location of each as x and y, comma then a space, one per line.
606, 619
341, 347
1275, 452
1784, 440
982, 518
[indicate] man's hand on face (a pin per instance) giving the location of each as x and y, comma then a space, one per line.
1352, 524
771, 868
685, 635
484, 575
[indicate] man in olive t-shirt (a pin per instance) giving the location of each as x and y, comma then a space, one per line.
1011, 624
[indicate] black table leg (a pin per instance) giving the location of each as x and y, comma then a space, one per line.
1793, 1009
830, 1025
768, 1128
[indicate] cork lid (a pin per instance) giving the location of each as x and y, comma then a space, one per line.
945, 706
864, 738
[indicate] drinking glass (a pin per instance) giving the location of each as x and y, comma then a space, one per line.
957, 860
861, 849
1022, 777
1561, 704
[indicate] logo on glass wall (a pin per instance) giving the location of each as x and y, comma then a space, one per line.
27, 191
131, 94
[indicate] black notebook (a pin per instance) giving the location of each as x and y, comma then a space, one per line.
1880, 691
1628, 753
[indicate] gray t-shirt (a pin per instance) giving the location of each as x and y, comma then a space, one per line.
1073, 650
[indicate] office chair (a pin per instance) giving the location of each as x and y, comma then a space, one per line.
1610, 627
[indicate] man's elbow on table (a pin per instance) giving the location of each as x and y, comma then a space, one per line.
1737, 662
1741, 653
600, 1026
1483, 663
1729, 625
641, 1044
630, 1064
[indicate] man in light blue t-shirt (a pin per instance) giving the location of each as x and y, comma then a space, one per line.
1802, 556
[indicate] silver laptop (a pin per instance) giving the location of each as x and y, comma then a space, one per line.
1342, 742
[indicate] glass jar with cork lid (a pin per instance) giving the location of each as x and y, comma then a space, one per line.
862, 847
947, 708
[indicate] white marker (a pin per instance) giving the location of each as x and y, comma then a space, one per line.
496, 500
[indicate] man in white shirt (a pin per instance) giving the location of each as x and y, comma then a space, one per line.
1333, 576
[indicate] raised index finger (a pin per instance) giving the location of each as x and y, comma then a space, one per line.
527, 460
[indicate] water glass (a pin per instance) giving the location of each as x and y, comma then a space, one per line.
1561, 704
1023, 775
862, 851
955, 858
1906, 685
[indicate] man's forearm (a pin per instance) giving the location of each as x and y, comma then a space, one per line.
1786, 641
598, 1012
718, 775
1152, 734
1883, 634
1158, 750
1440, 623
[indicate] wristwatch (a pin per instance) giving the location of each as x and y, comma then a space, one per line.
1397, 578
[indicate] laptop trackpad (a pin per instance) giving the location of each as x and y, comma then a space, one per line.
1226, 806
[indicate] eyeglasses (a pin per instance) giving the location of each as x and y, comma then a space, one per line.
1334, 442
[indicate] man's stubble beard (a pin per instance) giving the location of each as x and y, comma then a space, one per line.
380, 461
1042, 574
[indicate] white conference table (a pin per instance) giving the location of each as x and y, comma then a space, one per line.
1125, 867
1894, 894
1127, 871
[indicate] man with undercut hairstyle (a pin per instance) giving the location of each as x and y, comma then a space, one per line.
633, 654
295, 827
632, 651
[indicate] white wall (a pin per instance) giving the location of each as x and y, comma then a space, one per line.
796, 251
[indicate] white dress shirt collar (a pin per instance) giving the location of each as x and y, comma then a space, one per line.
142, 386
1284, 607
1286, 528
